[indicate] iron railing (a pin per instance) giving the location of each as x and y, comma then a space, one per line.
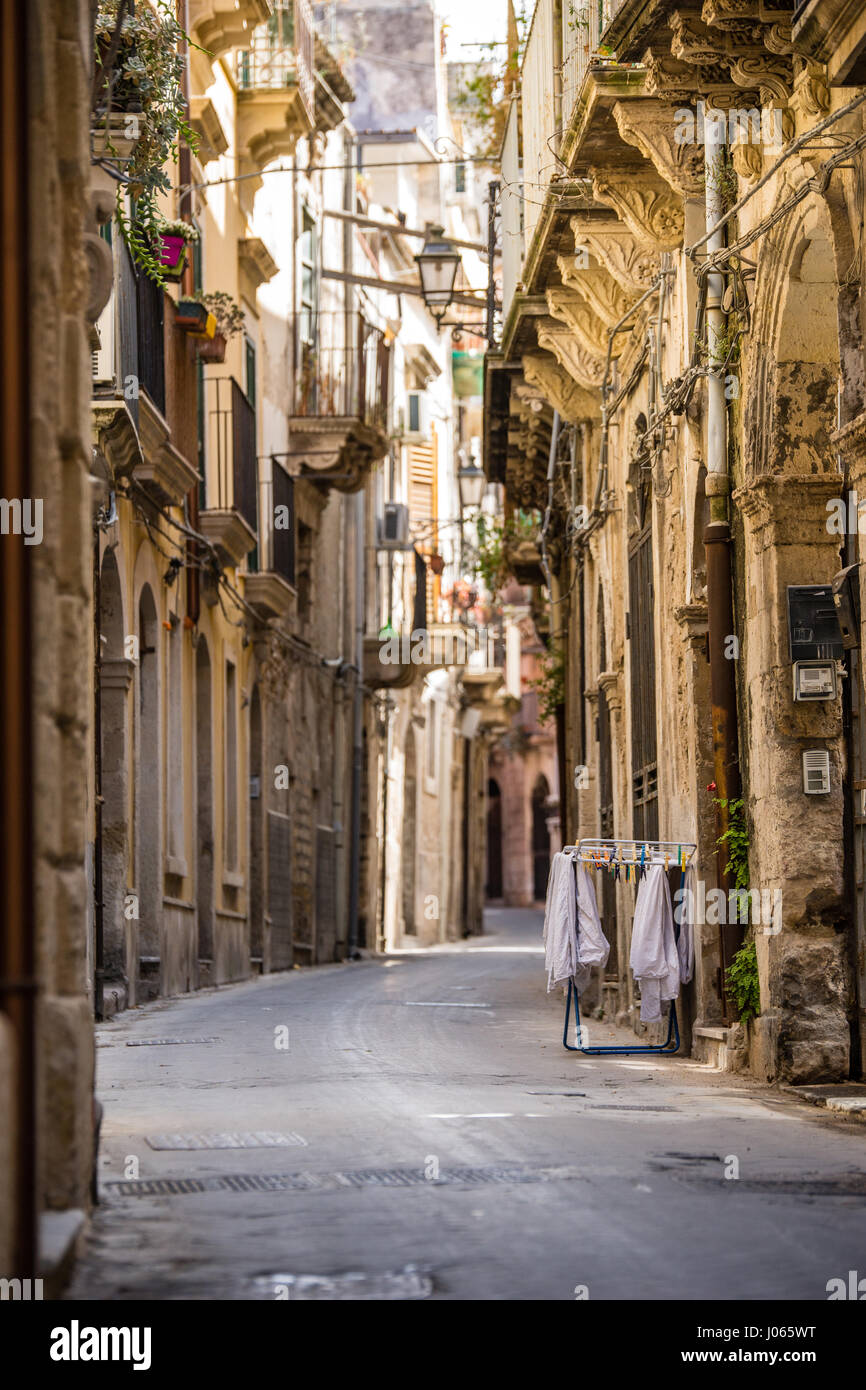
281, 53
277, 523
231, 484
149, 311
344, 373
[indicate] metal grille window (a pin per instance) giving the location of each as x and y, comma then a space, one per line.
277, 523
281, 53
643, 688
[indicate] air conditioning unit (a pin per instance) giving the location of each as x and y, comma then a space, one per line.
394, 527
816, 772
102, 357
417, 424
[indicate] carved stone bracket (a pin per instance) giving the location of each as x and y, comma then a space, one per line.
652, 213
604, 295
586, 368
613, 245
651, 126
541, 369
569, 306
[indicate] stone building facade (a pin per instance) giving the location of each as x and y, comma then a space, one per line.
701, 398
193, 695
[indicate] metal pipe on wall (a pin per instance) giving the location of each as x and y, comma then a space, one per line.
717, 543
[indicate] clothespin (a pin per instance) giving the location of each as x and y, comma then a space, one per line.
642, 855
679, 856
667, 861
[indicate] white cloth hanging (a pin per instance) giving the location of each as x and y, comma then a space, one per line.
593, 947
654, 958
573, 937
560, 923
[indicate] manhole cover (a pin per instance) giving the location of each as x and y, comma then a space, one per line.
169, 1042
399, 1285
253, 1139
334, 1182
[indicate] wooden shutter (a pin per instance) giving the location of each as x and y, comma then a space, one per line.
424, 506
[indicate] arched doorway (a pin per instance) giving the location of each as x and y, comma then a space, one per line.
540, 839
204, 812
148, 816
119, 946
493, 887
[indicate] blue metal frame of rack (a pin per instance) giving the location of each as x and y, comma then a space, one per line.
598, 852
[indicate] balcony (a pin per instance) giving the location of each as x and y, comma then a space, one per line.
229, 513
221, 25
269, 585
276, 84
339, 426
833, 32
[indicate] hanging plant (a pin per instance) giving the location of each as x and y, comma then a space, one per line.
550, 685
138, 69
229, 319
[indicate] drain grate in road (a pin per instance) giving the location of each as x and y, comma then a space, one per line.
401, 1284
169, 1042
251, 1139
334, 1182
655, 1108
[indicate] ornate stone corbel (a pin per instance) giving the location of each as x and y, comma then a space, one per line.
651, 127
541, 369
604, 295
652, 213
571, 308
586, 368
631, 265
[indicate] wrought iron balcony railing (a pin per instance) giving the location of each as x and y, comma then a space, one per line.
230, 476
280, 55
275, 552
344, 380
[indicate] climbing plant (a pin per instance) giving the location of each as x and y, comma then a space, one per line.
742, 981
550, 685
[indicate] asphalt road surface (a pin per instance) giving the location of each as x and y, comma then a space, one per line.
412, 1128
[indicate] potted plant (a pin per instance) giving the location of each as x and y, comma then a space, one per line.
195, 318
229, 317
138, 91
175, 237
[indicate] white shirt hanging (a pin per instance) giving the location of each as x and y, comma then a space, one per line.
593, 947
560, 923
654, 959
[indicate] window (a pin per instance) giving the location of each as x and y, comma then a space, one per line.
305, 571
460, 178
307, 254
250, 370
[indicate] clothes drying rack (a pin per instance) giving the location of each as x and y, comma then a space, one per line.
624, 857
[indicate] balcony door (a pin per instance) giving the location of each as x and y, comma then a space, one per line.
645, 808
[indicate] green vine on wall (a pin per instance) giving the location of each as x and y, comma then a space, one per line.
494, 538
742, 981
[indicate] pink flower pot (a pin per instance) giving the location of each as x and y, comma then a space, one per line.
173, 256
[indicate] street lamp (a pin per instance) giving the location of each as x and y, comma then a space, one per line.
437, 266
471, 483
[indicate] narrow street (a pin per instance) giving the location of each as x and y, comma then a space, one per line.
555, 1170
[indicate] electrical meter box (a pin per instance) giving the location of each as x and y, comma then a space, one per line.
813, 627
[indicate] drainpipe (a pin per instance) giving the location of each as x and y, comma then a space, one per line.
358, 730
717, 542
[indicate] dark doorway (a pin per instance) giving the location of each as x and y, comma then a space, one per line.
148, 817
540, 839
204, 813
493, 887
258, 952
605, 798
